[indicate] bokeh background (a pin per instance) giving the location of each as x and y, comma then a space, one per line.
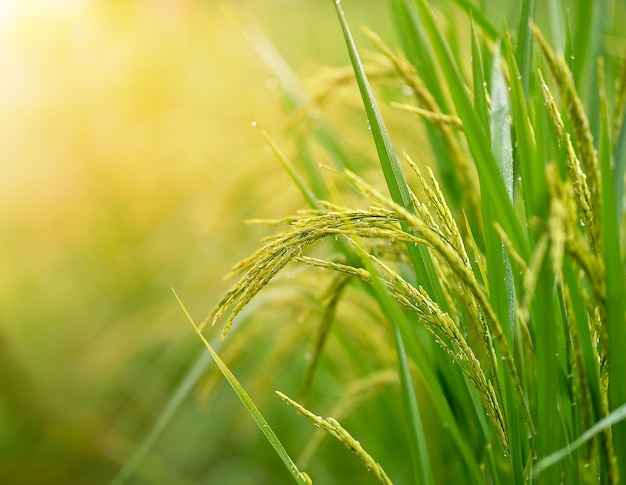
127, 162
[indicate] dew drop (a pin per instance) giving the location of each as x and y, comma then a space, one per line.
254, 123
407, 90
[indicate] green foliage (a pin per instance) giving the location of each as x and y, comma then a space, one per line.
502, 313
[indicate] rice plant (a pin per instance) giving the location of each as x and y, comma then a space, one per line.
495, 266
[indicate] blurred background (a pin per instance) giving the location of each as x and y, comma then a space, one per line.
127, 162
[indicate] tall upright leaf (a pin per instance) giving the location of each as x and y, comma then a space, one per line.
492, 184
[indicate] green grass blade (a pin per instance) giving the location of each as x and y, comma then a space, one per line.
525, 42
492, 184
181, 392
503, 296
297, 99
388, 160
501, 281
308, 195
416, 48
615, 417
417, 439
394, 177
430, 381
300, 477
480, 18
501, 145
615, 295
557, 25
619, 171
480, 84
590, 17
531, 168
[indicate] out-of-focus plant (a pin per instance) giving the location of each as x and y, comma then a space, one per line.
494, 290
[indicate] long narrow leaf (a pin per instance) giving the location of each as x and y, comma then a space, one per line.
492, 184
300, 477
181, 392
417, 439
615, 417
394, 177
525, 42
615, 287
501, 281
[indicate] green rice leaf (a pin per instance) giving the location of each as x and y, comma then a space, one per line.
615, 287
416, 47
557, 24
492, 184
480, 84
615, 417
417, 438
179, 395
308, 195
531, 168
525, 42
335, 429
300, 477
501, 145
480, 18
394, 177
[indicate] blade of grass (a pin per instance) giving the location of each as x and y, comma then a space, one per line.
334, 428
502, 296
501, 281
181, 392
394, 177
615, 295
297, 99
430, 381
420, 257
586, 42
479, 17
480, 85
501, 145
616, 416
308, 195
300, 477
525, 42
492, 184
416, 48
557, 24
417, 439
531, 168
